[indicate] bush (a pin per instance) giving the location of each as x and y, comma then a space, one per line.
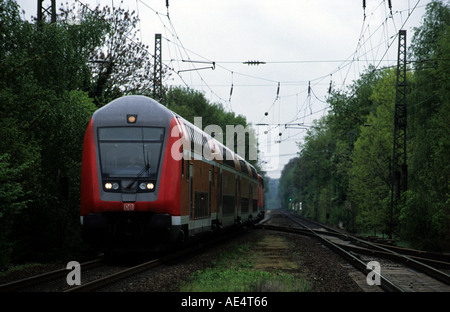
12, 201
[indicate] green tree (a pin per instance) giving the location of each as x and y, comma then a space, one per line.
13, 200
370, 174
120, 64
351, 181
286, 188
43, 115
425, 220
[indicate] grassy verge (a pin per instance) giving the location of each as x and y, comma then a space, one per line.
236, 271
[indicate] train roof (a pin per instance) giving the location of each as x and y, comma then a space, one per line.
143, 107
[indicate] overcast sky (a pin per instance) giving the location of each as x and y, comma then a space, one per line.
303, 42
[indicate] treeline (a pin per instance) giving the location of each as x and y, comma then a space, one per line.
52, 78
343, 172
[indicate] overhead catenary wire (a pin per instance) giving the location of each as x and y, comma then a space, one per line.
368, 48
168, 26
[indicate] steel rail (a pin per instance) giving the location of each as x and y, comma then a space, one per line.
407, 260
386, 284
411, 262
113, 278
42, 278
414, 262
418, 254
110, 279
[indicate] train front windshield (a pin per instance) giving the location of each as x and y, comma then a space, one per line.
129, 152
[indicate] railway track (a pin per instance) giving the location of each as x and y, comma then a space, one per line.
394, 268
97, 274
34, 282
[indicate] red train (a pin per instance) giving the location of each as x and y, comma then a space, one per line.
151, 178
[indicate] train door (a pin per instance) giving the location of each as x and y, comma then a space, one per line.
191, 191
229, 198
209, 192
184, 196
238, 198
250, 200
220, 203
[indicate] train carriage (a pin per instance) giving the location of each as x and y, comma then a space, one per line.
151, 178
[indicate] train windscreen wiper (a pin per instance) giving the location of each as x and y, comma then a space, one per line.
146, 168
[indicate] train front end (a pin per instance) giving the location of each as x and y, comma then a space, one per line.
128, 189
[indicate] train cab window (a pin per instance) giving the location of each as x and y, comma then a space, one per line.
130, 151
131, 134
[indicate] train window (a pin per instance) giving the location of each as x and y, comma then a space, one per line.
187, 171
182, 168
228, 202
127, 159
228, 158
209, 191
201, 205
243, 166
254, 174
130, 151
198, 139
191, 189
131, 134
191, 136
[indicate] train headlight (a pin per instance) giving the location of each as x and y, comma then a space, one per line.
146, 186
111, 186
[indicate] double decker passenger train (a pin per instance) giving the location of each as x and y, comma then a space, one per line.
144, 182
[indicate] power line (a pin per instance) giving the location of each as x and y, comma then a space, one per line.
365, 52
293, 61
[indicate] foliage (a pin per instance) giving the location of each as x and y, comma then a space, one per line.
119, 63
43, 118
429, 127
320, 177
370, 178
343, 174
12, 202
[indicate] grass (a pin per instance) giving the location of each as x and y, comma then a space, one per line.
242, 280
234, 271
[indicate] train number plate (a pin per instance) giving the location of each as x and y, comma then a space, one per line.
128, 206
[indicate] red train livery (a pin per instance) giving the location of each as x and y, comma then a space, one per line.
151, 178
